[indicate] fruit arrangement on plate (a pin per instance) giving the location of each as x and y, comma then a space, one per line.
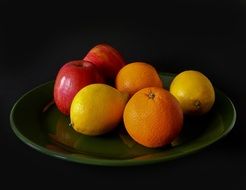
102, 89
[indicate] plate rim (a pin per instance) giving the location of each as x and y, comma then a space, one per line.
112, 162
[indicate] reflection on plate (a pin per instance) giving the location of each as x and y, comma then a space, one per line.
37, 122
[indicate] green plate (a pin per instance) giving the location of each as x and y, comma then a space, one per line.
37, 122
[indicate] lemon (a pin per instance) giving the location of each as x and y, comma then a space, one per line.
97, 109
194, 92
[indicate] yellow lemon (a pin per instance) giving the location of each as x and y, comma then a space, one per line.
97, 109
194, 92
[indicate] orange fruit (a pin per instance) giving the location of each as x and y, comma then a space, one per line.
135, 76
153, 117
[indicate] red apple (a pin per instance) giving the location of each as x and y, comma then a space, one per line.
72, 77
107, 59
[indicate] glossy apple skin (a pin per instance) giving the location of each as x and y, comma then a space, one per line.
107, 59
72, 77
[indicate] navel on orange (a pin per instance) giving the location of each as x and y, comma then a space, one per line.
153, 117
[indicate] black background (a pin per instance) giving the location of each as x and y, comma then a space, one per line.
209, 36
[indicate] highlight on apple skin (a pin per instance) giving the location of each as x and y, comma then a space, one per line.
107, 59
72, 77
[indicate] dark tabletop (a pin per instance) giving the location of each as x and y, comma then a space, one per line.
37, 38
